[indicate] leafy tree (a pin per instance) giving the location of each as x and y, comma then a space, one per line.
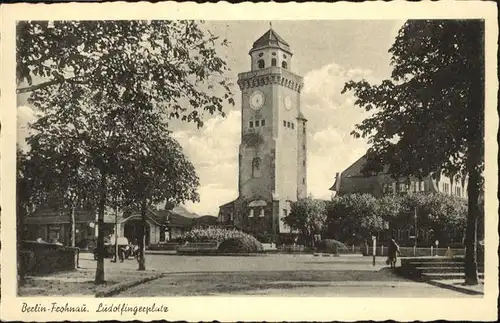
99, 79
355, 217
155, 170
307, 215
430, 116
59, 172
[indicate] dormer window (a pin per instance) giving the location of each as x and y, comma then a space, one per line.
261, 63
284, 65
273, 62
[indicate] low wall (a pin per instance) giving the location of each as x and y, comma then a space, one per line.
164, 246
46, 258
198, 247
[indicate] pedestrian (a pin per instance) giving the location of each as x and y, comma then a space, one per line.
121, 253
393, 251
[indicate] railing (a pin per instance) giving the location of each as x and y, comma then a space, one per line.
416, 252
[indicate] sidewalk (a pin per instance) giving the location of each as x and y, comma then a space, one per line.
81, 282
459, 286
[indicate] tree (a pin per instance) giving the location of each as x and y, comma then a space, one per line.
354, 217
59, 171
307, 215
101, 77
429, 118
155, 170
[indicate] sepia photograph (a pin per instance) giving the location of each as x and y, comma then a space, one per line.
277, 158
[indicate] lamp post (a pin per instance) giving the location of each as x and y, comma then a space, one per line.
374, 238
416, 234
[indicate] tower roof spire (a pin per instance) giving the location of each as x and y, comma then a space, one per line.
271, 39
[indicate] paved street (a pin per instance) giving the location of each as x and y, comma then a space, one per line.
274, 275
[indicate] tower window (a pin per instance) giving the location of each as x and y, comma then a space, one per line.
256, 167
288, 124
261, 213
251, 124
303, 163
262, 123
250, 213
284, 65
293, 126
303, 130
261, 54
273, 62
303, 180
304, 146
274, 54
256, 123
284, 123
261, 63
284, 56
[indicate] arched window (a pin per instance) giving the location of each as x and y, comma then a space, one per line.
284, 65
256, 167
261, 63
273, 62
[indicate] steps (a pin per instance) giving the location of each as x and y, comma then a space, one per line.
446, 276
436, 268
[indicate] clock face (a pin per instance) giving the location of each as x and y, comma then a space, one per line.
257, 100
287, 102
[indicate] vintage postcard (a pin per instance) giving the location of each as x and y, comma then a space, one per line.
250, 162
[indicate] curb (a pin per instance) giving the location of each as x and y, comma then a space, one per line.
454, 288
221, 254
116, 289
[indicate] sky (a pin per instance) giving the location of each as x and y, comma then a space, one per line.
326, 54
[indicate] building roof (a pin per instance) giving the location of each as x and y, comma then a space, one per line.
172, 219
271, 39
205, 220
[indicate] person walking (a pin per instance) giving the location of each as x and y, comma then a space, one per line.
393, 251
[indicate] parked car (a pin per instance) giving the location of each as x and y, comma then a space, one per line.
109, 247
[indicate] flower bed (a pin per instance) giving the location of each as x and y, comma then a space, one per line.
230, 240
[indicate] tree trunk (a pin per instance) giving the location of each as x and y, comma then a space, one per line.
475, 145
471, 277
73, 226
142, 238
99, 274
19, 233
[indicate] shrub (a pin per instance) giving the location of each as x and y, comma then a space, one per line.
331, 246
213, 234
244, 244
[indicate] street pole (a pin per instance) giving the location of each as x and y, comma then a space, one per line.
116, 234
416, 234
374, 238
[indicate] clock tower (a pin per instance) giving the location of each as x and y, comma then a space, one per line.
273, 149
